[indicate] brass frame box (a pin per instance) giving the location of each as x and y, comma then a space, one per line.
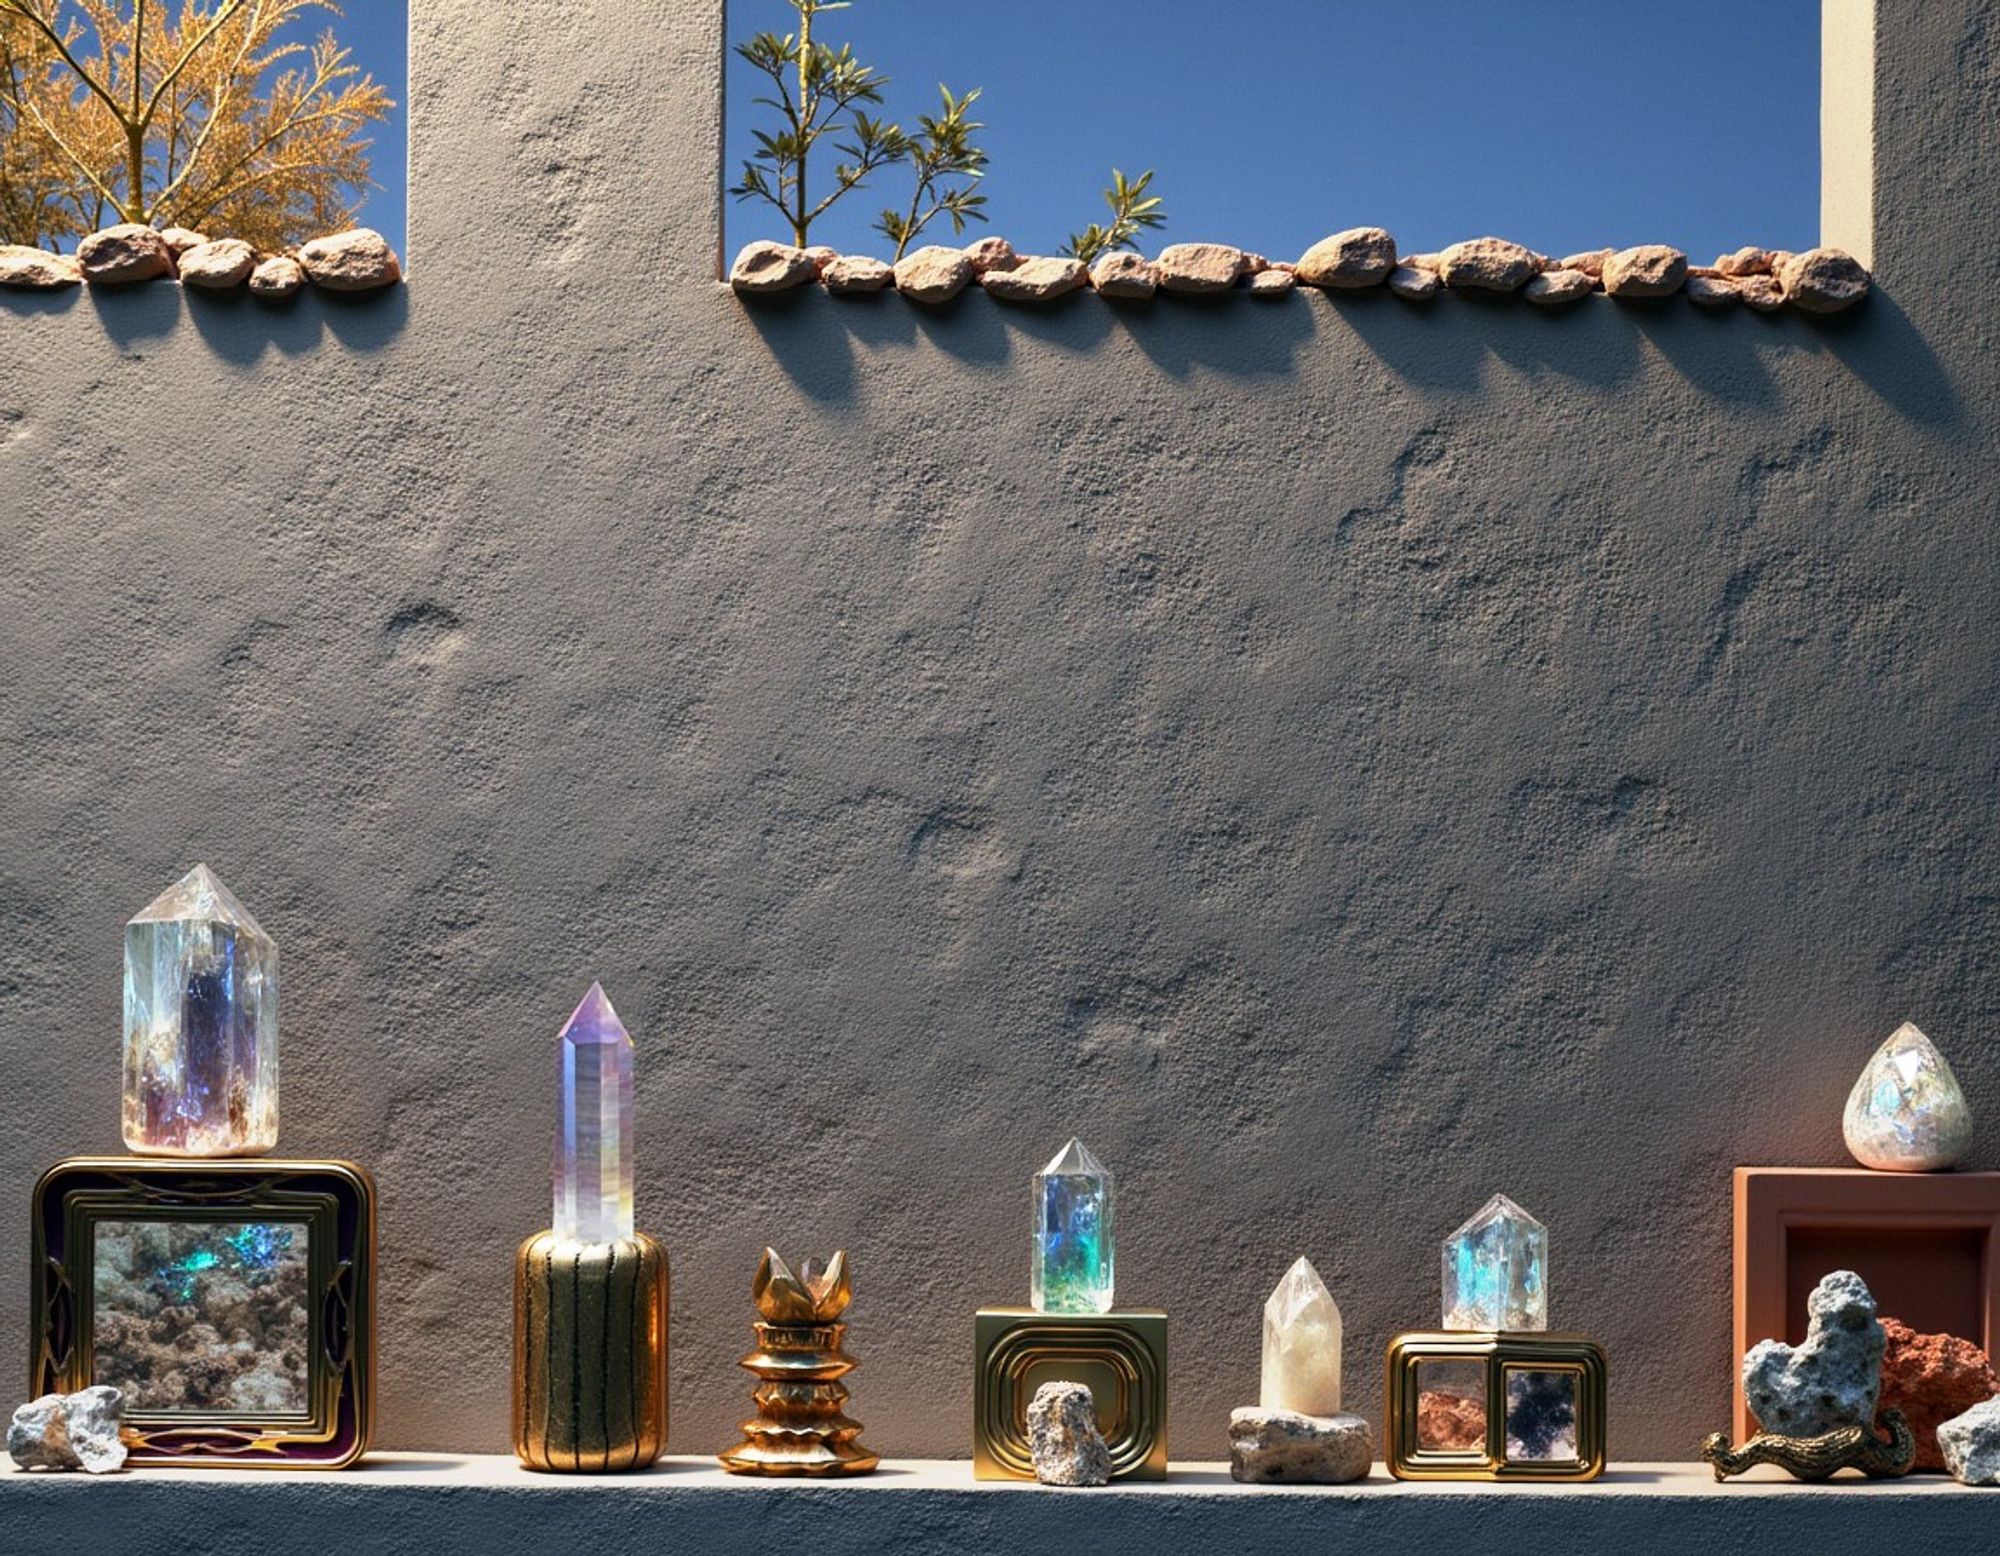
1498, 1355
1121, 1355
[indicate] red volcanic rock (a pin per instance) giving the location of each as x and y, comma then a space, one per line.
1448, 1422
1931, 1378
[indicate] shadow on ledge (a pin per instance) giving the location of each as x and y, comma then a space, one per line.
235, 326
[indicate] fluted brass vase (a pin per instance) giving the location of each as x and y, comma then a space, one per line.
800, 1428
590, 1354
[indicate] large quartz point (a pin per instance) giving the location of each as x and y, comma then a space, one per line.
201, 1025
1301, 1345
1906, 1113
1496, 1270
1072, 1268
593, 1166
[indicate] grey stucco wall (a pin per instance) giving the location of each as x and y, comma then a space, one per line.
1341, 761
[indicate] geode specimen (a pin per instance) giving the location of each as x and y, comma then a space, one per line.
1063, 1434
1450, 1423
69, 1432
1832, 1379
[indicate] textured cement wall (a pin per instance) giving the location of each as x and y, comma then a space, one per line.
1339, 760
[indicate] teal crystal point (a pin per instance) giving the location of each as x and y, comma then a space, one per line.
1496, 1270
1072, 1271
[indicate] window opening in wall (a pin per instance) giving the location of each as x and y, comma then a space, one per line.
1567, 125
271, 122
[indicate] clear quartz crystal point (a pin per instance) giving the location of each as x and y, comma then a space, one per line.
201, 1025
1496, 1270
1906, 1113
1072, 1244
593, 1170
1301, 1345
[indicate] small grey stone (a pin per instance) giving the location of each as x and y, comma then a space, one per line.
1124, 274
37, 269
1970, 1444
359, 260
1198, 267
1288, 1448
1555, 288
1713, 292
69, 1432
765, 266
1650, 270
220, 266
1823, 280
933, 274
123, 254
277, 278
1488, 265
1035, 280
1361, 256
857, 273
1414, 284
1063, 1436
1832, 1378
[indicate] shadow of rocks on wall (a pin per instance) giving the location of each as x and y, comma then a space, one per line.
236, 326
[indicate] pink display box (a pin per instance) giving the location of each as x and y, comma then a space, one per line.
1927, 1243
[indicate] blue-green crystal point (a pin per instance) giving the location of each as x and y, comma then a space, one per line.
1072, 1271
1496, 1270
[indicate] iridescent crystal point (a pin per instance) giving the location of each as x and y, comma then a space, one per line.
201, 1025
1072, 1271
1496, 1270
593, 1168
1301, 1345
1906, 1112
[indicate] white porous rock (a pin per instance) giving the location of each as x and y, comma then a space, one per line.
359, 260
69, 1432
120, 255
1036, 280
1488, 265
277, 278
933, 274
1558, 288
220, 266
1286, 1448
1970, 1444
1063, 1435
1198, 267
37, 270
764, 267
1829, 1380
852, 273
1761, 293
1713, 292
180, 239
1649, 270
1360, 256
1271, 283
994, 253
1124, 274
1744, 262
1413, 284
1823, 280
1590, 262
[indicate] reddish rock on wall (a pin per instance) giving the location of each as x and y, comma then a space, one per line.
1931, 1378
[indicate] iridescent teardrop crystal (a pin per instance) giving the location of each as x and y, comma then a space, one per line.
1906, 1112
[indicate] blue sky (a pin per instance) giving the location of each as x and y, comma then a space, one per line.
378, 31
1565, 124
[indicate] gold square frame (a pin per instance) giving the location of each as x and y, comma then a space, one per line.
1498, 1355
334, 1200
1121, 1355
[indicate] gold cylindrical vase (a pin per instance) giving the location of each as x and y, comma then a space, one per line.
590, 1354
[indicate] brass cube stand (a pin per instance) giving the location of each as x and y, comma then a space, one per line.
1121, 1356
1480, 1405
590, 1354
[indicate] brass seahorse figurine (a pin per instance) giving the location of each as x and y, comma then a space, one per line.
1817, 1458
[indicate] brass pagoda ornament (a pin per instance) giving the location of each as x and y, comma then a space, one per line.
800, 1428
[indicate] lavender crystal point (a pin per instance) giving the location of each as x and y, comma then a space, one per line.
593, 1168
201, 1025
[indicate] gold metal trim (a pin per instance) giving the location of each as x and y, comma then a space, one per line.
1122, 1356
1498, 1354
801, 1427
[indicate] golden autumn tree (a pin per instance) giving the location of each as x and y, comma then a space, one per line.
202, 114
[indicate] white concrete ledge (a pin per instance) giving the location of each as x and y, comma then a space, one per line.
442, 1505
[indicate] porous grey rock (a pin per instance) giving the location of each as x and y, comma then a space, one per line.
990, 254
358, 260
37, 269
1970, 1444
1590, 262
1649, 270
933, 274
1761, 293
1124, 274
180, 239
1064, 1439
121, 255
1036, 280
219, 266
1823, 280
1744, 262
277, 278
763, 267
69, 1432
1488, 265
857, 273
1414, 284
1285, 1447
1198, 267
1832, 1377
1713, 292
1271, 283
1360, 256
1557, 288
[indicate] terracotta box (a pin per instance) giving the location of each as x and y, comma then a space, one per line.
1928, 1244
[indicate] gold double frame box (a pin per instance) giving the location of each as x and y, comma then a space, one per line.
1510, 1375
1120, 1355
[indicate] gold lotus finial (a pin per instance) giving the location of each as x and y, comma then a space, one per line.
817, 1297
